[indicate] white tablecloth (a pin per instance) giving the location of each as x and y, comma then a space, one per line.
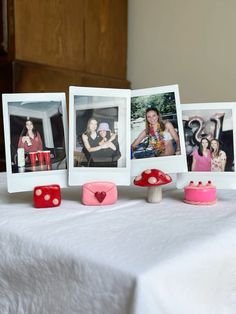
128, 258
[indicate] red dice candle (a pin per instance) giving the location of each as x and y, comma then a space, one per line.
47, 196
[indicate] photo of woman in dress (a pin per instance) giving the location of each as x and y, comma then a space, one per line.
202, 156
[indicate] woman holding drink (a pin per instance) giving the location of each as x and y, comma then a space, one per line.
30, 138
31, 141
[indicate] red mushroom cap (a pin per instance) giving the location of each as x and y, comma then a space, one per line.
152, 177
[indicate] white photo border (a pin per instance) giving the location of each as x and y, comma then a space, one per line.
20, 182
81, 175
222, 180
170, 164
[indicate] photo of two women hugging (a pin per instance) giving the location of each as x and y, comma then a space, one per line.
100, 145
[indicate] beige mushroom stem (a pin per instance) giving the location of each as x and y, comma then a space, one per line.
154, 194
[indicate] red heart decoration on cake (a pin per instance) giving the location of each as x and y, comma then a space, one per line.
100, 196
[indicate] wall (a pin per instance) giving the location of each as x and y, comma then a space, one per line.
186, 42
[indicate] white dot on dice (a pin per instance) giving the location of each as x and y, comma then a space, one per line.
47, 197
55, 201
38, 192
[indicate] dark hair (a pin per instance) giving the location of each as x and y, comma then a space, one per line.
162, 125
108, 135
25, 130
218, 150
200, 148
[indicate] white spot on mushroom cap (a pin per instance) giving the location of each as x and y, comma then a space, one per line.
138, 178
148, 171
152, 180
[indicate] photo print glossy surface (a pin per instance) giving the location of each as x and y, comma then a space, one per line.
99, 135
35, 137
156, 130
209, 134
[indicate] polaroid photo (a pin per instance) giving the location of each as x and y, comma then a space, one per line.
209, 134
99, 136
35, 130
157, 139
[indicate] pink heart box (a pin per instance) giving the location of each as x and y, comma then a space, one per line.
99, 193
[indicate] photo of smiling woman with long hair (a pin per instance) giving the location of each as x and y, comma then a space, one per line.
30, 139
159, 135
218, 157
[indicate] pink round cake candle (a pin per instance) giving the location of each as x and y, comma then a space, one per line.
200, 194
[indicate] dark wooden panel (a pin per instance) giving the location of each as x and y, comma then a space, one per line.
7, 30
103, 81
106, 37
5, 87
29, 77
40, 78
3, 27
50, 32
5, 77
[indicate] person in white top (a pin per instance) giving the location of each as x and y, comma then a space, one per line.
218, 157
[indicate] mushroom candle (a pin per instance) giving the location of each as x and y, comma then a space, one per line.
153, 179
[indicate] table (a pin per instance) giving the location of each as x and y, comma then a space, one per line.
128, 258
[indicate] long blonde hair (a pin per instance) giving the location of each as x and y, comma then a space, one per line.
217, 151
88, 131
